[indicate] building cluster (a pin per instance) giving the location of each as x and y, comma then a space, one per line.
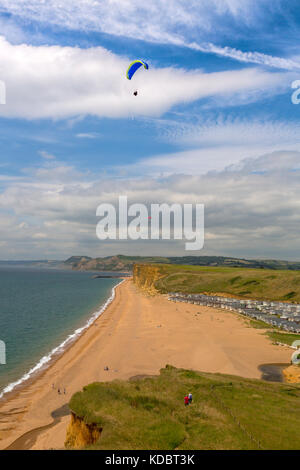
278, 314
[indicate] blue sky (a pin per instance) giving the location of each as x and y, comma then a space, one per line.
216, 97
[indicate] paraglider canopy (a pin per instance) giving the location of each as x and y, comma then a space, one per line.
134, 66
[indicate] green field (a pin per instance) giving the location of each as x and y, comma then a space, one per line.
260, 284
281, 337
227, 412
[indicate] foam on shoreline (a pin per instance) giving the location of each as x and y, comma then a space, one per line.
59, 350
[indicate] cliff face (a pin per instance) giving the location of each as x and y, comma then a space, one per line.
292, 374
145, 276
81, 434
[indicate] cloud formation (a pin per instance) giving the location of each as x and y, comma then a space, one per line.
211, 144
178, 22
247, 57
61, 82
46, 155
252, 209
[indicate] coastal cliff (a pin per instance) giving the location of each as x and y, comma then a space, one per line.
292, 374
149, 413
81, 434
145, 277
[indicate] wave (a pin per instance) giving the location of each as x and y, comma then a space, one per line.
62, 347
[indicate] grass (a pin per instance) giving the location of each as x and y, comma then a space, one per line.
150, 414
286, 338
260, 284
260, 325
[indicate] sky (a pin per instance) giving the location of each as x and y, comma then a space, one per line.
213, 123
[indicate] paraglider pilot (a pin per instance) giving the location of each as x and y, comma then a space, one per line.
133, 67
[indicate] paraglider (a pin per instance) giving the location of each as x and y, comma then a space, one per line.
133, 67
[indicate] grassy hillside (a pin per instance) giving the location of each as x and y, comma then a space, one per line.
117, 263
227, 413
261, 284
125, 263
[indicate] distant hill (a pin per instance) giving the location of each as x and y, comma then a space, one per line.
125, 263
110, 263
75, 260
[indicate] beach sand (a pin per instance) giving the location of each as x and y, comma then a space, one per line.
136, 335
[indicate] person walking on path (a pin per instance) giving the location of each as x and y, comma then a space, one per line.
186, 400
190, 396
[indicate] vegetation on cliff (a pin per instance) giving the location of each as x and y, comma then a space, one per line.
260, 284
227, 412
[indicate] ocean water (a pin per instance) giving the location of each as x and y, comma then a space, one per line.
41, 312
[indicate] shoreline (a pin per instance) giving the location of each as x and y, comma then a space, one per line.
46, 361
135, 335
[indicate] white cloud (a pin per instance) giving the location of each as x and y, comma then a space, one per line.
46, 155
224, 130
178, 22
39, 235
142, 20
87, 135
118, 16
252, 209
248, 57
214, 144
63, 82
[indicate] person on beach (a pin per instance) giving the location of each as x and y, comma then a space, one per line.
65, 391
186, 400
190, 396
58, 391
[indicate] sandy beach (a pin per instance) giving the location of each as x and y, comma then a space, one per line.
137, 334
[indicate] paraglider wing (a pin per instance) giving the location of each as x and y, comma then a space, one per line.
134, 66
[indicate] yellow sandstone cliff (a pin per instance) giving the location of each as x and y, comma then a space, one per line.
145, 276
292, 374
81, 434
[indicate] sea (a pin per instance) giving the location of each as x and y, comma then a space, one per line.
42, 311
